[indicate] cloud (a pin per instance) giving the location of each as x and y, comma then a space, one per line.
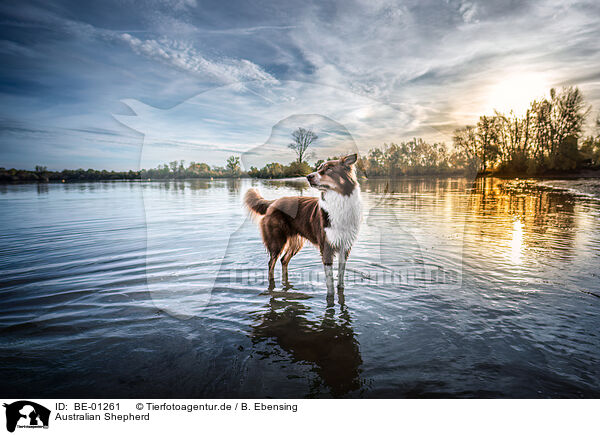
233, 118
171, 52
245, 30
440, 60
468, 11
182, 55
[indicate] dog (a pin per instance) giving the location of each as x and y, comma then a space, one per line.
330, 222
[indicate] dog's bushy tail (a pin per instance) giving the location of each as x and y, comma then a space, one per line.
255, 202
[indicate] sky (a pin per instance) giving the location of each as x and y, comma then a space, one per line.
128, 84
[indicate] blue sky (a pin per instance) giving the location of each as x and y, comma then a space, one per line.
119, 84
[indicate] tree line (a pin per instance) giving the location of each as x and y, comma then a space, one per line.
548, 138
413, 157
176, 169
42, 175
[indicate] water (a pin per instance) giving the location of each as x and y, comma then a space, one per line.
158, 289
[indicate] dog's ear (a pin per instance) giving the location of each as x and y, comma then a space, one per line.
350, 159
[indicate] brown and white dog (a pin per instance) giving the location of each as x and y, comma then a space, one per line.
330, 222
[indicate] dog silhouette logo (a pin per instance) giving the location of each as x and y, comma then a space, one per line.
26, 414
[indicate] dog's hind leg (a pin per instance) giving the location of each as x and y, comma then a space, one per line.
274, 238
272, 263
293, 246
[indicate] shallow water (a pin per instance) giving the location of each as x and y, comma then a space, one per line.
158, 289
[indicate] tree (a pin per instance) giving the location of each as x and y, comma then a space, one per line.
514, 139
233, 165
302, 140
274, 170
319, 163
590, 150
201, 169
298, 169
465, 140
487, 140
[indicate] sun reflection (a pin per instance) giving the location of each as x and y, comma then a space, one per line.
524, 225
516, 243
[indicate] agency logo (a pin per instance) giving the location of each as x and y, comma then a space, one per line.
27, 415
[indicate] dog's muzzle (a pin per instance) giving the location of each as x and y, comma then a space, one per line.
313, 179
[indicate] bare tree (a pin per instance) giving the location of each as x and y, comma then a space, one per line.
302, 140
465, 140
487, 140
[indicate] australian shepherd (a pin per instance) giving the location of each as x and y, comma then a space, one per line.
330, 222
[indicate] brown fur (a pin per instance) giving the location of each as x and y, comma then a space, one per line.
256, 203
287, 221
338, 175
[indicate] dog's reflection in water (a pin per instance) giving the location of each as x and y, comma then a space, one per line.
329, 342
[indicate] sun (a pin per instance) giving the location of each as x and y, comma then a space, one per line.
515, 92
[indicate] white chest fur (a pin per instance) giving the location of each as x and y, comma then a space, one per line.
345, 214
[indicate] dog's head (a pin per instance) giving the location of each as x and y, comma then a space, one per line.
338, 175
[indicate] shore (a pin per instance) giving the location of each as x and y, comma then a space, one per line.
551, 175
30, 177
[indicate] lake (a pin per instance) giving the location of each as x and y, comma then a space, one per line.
455, 288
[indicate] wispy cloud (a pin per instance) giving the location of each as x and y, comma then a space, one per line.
184, 56
442, 59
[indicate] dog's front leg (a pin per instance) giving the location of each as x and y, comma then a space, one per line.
343, 256
329, 278
327, 257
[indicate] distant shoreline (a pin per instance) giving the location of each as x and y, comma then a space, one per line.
554, 175
550, 175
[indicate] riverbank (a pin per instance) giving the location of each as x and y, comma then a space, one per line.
20, 176
550, 175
